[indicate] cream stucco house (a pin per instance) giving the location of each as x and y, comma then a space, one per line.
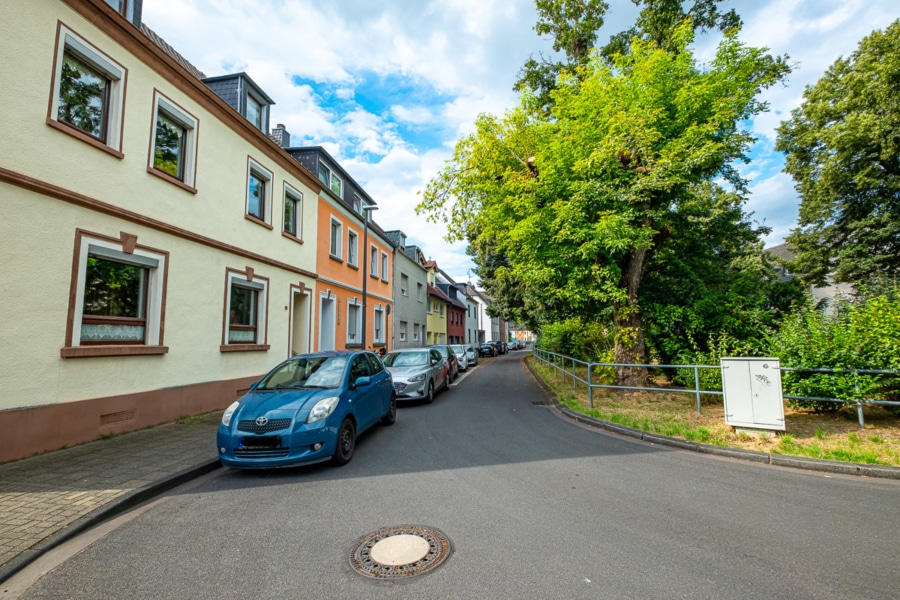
158, 247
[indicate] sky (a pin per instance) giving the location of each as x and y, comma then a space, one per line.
389, 86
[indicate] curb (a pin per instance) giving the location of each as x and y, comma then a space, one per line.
105, 512
797, 462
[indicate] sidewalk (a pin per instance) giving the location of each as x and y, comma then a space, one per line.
47, 499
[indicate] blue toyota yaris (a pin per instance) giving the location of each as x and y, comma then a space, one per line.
308, 409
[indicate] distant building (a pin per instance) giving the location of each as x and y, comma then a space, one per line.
784, 252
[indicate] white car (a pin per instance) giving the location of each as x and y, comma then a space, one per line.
462, 356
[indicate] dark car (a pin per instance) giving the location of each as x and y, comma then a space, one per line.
308, 409
487, 350
452, 362
498, 347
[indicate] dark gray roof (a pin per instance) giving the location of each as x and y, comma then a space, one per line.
783, 251
154, 37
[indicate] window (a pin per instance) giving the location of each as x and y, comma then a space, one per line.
334, 248
354, 323
259, 192
117, 298
378, 336
357, 203
384, 267
352, 248
173, 148
415, 332
373, 261
255, 112
404, 284
245, 311
442, 309
402, 332
87, 98
420, 292
331, 181
293, 212
430, 304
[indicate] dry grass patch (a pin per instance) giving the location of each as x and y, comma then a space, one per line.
834, 436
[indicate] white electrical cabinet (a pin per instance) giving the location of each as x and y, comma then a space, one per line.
752, 391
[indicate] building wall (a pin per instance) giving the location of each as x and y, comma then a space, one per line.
408, 308
436, 320
340, 280
57, 189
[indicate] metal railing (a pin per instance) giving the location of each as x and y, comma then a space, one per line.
560, 363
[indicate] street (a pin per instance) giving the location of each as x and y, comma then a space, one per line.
534, 506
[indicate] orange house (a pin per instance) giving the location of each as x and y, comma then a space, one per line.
354, 261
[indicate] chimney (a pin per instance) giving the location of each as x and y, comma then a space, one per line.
281, 136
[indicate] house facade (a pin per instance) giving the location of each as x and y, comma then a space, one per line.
354, 260
154, 229
456, 313
410, 282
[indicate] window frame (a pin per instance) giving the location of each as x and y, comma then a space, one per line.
335, 243
191, 125
404, 291
354, 303
352, 248
246, 279
402, 330
251, 97
255, 169
116, 76
416, 328
420, 296
378, 319
373, 261
385, 266
125, 250
296, 196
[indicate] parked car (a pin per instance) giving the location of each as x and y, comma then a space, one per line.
498, 347
461, 356
308, 409
487, 350
472, 354
452, 362
417, 372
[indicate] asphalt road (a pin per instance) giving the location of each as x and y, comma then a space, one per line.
534, 505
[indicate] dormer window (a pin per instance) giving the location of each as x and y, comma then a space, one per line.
331, 181
254, 112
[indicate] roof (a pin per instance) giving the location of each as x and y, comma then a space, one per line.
439, 294
154, 37
783, 251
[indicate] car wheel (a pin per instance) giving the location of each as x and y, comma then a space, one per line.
391, 415
346, 443
430, 397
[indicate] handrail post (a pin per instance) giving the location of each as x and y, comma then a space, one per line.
574, 377
590, 385
859, 406
697, 386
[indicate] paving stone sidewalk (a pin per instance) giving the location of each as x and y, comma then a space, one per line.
49, 498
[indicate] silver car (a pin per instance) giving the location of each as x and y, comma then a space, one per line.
463, 356
417, 372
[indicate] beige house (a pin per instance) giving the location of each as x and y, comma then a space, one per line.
161, 246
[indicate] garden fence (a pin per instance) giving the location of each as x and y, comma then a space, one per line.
566, 366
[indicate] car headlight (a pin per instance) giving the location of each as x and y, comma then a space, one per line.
322, 409
229, 412
419, 377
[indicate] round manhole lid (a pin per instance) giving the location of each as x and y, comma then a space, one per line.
400, 552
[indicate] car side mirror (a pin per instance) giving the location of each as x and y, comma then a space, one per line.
362, 382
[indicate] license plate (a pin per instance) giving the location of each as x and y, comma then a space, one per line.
260, 442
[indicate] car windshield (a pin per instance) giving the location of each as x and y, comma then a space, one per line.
459, 349
406, 359
306, 372
441, 349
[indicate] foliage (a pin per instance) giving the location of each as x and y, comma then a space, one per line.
590, 342
573, 25
659, 20
862, 334
842, 147
578, 204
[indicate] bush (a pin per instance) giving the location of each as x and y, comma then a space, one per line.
863, 333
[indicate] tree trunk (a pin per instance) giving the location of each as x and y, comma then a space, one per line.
630, 346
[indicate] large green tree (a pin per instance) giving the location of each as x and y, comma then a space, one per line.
843, 151
579, 202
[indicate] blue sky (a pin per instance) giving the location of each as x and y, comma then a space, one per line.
389, 86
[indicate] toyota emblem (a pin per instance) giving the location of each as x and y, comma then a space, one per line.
261, 421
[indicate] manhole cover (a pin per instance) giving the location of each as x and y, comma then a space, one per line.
400, 552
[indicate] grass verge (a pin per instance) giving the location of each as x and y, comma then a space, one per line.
808, 434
